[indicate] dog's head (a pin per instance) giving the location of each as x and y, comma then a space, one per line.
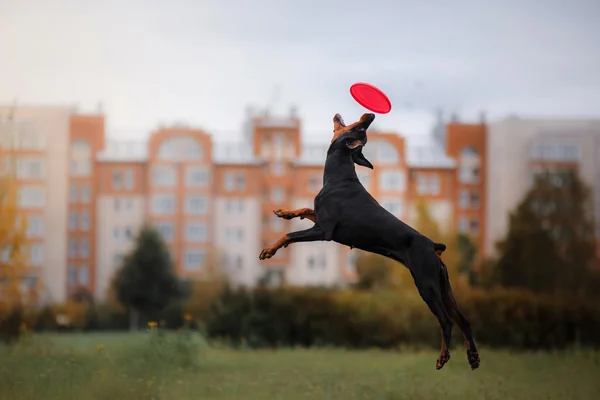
353, 137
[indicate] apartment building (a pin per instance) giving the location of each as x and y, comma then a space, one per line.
518, 148
211, 201
86, 197
52, 152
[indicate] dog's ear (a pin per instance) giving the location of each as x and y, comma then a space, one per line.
360, 159
338, 122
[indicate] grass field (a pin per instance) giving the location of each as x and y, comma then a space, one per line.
133, 366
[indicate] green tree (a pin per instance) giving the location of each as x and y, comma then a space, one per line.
550, 245
146, 284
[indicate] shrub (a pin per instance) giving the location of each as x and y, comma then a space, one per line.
318, 317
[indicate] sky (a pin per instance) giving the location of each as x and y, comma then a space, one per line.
203, 62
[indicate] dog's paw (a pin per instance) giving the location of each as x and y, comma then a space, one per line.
473, 358
442, 360
283, 214
267, 253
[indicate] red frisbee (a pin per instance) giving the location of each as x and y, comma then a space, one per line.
371, 97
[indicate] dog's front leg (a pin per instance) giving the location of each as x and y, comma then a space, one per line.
301, 212
309, 235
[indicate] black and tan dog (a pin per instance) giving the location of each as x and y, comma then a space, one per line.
347, 214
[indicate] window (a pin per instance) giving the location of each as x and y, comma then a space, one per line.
72, 247
36, 254
71, 274
31, 196
311, 262
315, 183
117, 204
381, 151
30, 168
240, 204
85, 193
166, 230
165, 176
118, 260
196, 176
474, 199
463, 224
180, 148
351, 259
428, 184
72, 221
84, 221
468, 174
229, 181
364, 178
35, 226
276, 225
117, 180
84, 248
468, 151
129, 204
196, 204
128, 233
474, 226
163, 204
463, 199
394, 206
278, 140
116, 233
73, 194
81, 158
240, 181
196, 232
277, 195
194, 259
555, 151
240, 235
84, 274
239, 262
387, 153
278, 168
129, 178
392, 180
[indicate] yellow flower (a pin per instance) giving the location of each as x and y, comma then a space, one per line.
152, 324
187, 316
99, 347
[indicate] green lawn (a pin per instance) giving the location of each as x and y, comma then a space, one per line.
129, 367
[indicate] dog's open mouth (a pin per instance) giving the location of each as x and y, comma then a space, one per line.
352, 144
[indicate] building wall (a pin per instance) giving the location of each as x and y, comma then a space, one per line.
86, 139
236, 233
42, 134
467, 144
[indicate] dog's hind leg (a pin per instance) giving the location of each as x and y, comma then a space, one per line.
301, 212
426, 276
464, 325
309, 235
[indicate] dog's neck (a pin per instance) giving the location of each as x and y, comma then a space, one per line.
338, 166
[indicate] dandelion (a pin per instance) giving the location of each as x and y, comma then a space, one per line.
99, 348
152, 324
187, 316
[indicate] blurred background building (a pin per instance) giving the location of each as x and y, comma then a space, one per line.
85, 196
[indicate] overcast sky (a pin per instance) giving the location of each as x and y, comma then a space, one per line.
201, 62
